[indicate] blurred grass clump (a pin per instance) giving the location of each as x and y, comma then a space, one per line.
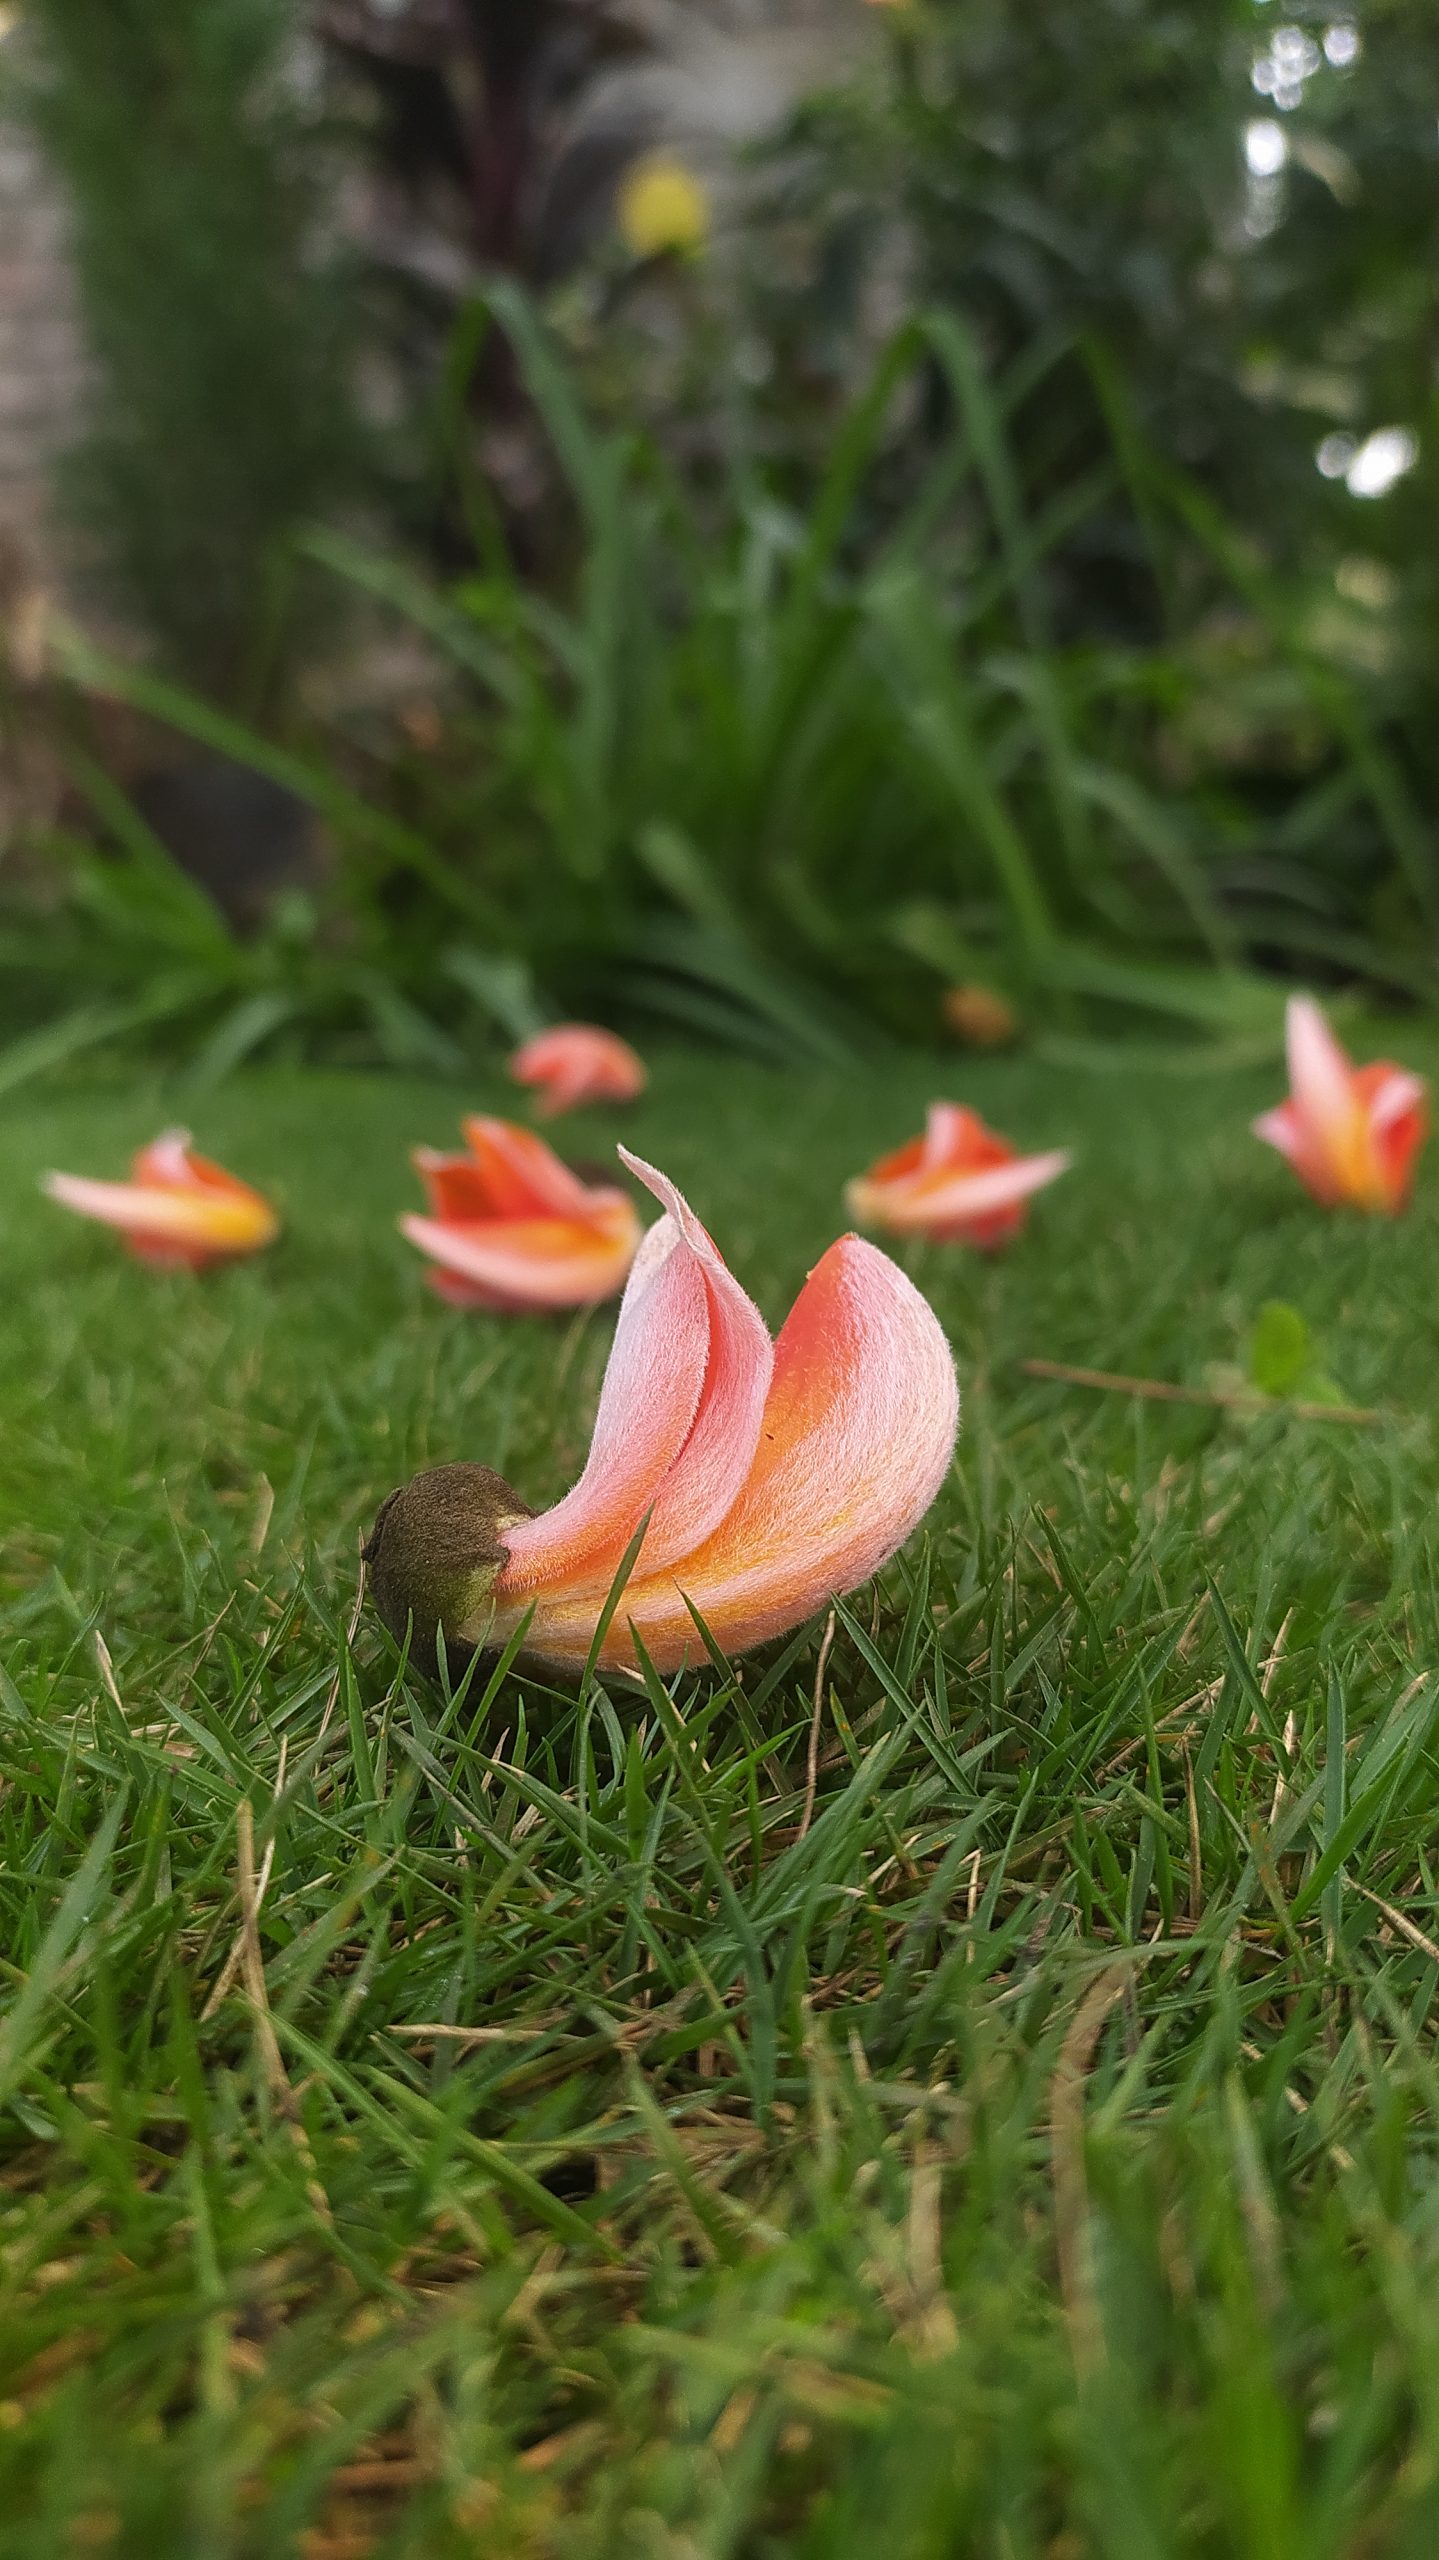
923, 577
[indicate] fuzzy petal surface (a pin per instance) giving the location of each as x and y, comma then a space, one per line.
854, 1442
679, 1415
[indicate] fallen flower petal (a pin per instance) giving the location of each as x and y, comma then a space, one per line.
958, 1184
512, 1229
177, 1211
765, 1478
979, 1016
577, 1063
1352, 1134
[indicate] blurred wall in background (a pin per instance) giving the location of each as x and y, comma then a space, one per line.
42, 355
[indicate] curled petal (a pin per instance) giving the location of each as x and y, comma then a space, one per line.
761, 1478
955, 1135
958, 1183
513, 1229
454, 1185
678, 1420
951, 1205
1350, 1133
179, 1210
170, 1161
576, 1062
522, 1264
1280, 1129
1394, 1095
524, 1178
1321, 1079
854, 1442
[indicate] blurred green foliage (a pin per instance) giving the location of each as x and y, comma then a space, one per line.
220, 415
934, 582
1223, 219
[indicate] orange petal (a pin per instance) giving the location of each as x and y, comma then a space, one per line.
455, 1186
524, 1178
208, 1222
678, 1421
956, 1137
1398, 1107
533, 1263
854, 1443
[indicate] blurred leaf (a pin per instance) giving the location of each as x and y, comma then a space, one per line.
503, 986
1281, 1350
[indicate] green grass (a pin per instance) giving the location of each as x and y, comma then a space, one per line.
1035, 2156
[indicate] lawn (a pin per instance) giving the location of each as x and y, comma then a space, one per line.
590, 2148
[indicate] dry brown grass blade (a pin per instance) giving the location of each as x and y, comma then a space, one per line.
225, 1981
811, 1772
252, 1967
1066, 2147
1406, 1927
1219, 1399
351, 1631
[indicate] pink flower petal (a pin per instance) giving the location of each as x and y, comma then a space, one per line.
1396, 1094
1321, 1080
577, 1062
953, 1136
166, 1161
1279, 1128
538, 1263
678, 1419
943, 1205
854, 1443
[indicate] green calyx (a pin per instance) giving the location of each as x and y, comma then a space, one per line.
434, 1556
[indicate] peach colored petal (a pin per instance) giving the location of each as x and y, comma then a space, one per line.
678, 1420
945, 1205
207, 1220
577, 1062
538, 1263
854, 1443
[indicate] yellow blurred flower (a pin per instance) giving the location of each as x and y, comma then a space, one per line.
662, 205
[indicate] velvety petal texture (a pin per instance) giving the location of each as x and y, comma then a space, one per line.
958, 1184
510, 1228
576, 1062
1352, 1134
770, 1476
178, 1210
